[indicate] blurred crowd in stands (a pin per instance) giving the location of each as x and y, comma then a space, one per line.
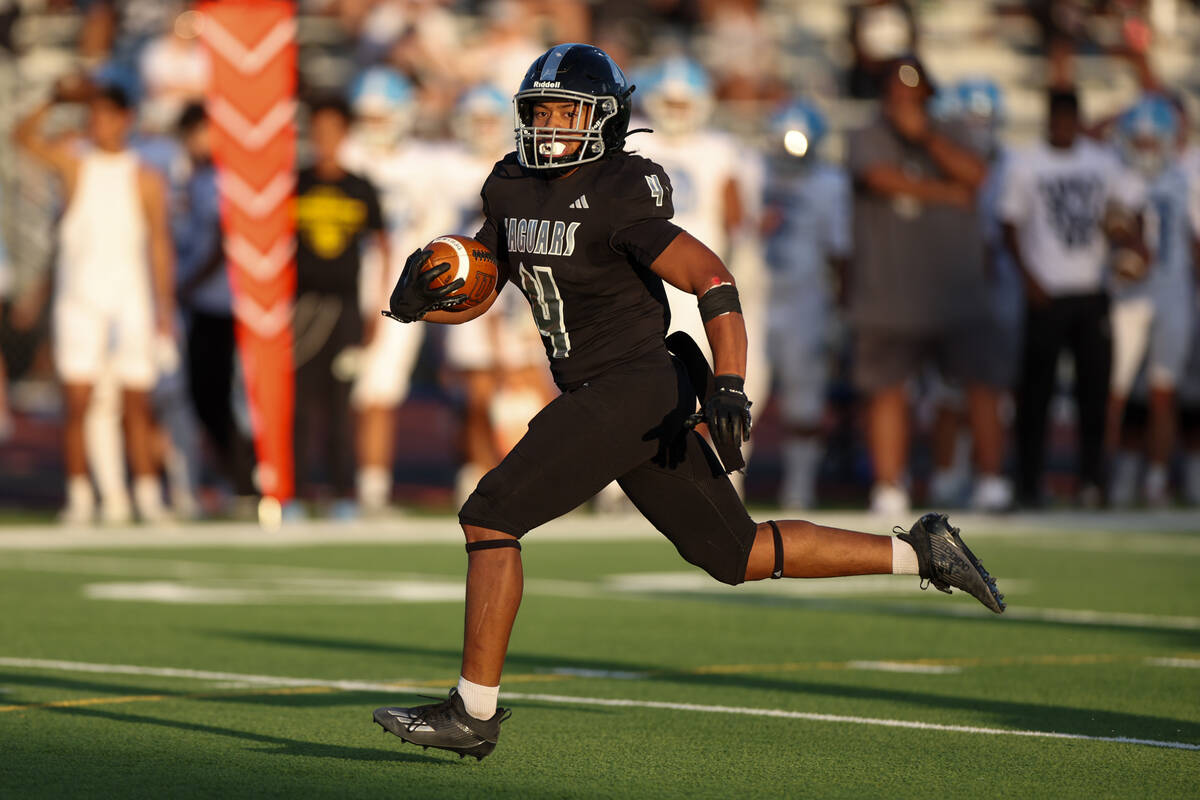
966, 283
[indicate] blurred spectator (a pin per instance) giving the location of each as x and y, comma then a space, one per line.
6, 291
1053, 206
174, 70
880, 32
977, 104
114, 287
336, 210
1152, 313
505, 48
807, 223
917, 290
206, 300
740, 51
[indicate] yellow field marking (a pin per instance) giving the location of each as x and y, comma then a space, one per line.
549, 677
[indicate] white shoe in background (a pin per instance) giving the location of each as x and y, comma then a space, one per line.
1122, 487
993, 494
1155, 488
889, 499
81, 502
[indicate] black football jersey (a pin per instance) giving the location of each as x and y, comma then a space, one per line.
580, 248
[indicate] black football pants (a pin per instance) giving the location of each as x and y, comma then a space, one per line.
625, 425
324, 419
210, 363
1079, 323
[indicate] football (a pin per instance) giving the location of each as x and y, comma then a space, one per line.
469, 260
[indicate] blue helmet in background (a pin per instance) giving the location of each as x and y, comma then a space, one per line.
947, 103
977, 103
798, 129
384, 103
981, 98
676, 94
1146, 134
483, 120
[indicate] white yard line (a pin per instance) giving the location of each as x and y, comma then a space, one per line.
903, 666
1183, 663
778, 713
814, 717
1073, 616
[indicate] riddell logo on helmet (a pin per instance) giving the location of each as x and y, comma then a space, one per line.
547, 84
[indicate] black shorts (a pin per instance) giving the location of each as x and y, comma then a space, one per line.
626, 425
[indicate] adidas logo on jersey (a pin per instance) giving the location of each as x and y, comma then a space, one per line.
580, 203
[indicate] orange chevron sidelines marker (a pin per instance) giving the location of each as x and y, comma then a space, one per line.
251, 104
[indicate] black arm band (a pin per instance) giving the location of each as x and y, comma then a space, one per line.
491, 544
718, 300
778, 537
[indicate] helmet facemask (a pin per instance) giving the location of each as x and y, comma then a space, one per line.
546, 147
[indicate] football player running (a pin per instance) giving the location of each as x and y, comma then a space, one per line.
583, 229
1152, 317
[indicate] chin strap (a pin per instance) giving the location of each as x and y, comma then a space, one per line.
492, 544
778, 571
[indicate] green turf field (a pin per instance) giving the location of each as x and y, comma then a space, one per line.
224, 662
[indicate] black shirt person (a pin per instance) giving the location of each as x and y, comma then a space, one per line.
335, 211
583, 229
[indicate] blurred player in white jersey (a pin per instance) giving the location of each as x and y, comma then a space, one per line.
498, 360
1152, 315
807, 225
713, 182
403, 170
701, 163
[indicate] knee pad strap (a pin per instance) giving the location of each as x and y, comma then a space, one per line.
778, 571
491, 544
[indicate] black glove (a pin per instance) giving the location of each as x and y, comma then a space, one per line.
413, 297
727, 411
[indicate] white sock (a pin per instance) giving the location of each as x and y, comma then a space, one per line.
79, 494
904, 558
374, 488
147, 497
480, 701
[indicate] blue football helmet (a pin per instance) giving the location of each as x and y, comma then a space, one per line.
580, 74
482, 120
384, 104
979, 104
981, 98
1147, 133
677, 95
797, 129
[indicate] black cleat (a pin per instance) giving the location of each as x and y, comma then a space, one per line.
445, 725
944, 560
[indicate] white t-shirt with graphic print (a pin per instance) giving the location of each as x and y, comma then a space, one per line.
1056, 200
